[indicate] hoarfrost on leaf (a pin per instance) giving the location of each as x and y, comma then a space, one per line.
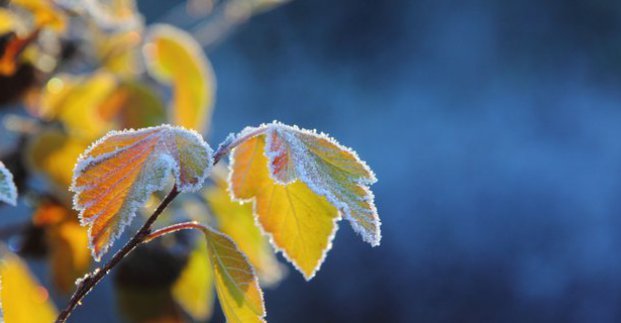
301, 183
8, 191
115, 176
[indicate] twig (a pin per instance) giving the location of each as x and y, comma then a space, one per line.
144, 234
91, 279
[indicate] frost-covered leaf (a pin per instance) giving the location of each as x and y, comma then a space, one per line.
115, 176
237, 221
193, 290
23, 299
8, 191
302, 183
175, 58
237, 286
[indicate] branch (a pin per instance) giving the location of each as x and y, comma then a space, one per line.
92, 279
144, 234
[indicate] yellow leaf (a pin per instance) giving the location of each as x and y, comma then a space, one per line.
300, 222
7, 21
237, 286
237, 221
302, 182
67, 242
45, 13
77, 101
53, 153
174, 57
23, 298
193, 290
114, 177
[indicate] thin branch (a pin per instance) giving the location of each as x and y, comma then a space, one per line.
144, 234
92, 279
174, 228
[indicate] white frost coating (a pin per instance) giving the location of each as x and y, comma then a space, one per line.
252, 270
175, 151
311, 169
8, 191
315, 172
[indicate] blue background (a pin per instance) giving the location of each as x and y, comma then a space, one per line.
494, 128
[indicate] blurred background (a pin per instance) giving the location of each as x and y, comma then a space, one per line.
494, 128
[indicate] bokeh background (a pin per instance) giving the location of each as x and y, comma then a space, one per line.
494, 128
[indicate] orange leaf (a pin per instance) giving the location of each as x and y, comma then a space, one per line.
115, 176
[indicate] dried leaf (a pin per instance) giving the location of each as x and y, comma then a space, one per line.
175, 58
115, 176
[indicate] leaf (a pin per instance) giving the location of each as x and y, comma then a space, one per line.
23, 298
44, 13
114, 14
115, 176
12, 53
77, 102
237, 286
193, 290
53, 154
237, 221
67, 241
8, 191
175, 58
301, 183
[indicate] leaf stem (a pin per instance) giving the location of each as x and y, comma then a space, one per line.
174, 228
92, 279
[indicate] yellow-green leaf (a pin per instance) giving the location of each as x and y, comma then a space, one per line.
237, 286
8, 191
237, 221
114, 177
23, 299
302, 182
193, 290
175, 58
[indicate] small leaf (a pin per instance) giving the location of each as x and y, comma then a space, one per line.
237, 286
8, 191
13, 50
301, 183
23, 298
174, 57
193, 290
237, 221
115, 176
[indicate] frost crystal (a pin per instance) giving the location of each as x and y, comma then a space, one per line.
115, 176
8, 191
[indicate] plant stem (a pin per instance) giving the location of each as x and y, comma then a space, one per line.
144, 234
93, 278
174, 228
